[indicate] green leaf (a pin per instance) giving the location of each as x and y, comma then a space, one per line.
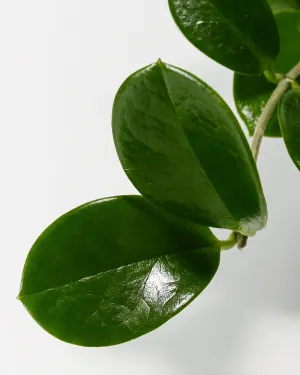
289, 116
241, 35
183, 149
288, 23
278, 5
115, 269
252, 93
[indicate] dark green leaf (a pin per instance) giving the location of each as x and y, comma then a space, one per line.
241, 35
252, 93
288, 23
289, 116
183, 149
115, 269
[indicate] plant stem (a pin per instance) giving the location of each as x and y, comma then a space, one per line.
271, 75
230, 242
270, 107
265, 118
295, 85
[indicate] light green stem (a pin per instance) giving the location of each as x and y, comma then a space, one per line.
270, 107
295, 85
271, 75
283, 85
230, 242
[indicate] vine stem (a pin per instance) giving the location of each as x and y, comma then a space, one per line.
264, 120
270, 107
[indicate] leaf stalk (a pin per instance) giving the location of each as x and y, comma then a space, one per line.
230, 242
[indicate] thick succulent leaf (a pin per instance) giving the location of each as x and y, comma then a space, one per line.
241, 35
114, 269
278, 5
289, 116
183, 149
252, 93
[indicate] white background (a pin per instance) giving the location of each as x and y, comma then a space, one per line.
62, 62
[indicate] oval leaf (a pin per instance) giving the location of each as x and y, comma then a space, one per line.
182, 148
289, 116
114, 269
252, 93
241, 35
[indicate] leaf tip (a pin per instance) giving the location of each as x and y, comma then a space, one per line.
20, 296
160, 62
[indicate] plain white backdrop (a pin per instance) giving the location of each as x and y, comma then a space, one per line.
62, 62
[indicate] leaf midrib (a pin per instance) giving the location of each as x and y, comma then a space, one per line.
213, 248
182, 126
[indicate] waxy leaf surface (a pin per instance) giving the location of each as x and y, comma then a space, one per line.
252, 93
183, 149
289, 116
114, 269
241, 35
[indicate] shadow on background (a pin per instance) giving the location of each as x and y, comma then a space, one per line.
250, 310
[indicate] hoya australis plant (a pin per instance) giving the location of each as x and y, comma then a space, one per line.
117, 268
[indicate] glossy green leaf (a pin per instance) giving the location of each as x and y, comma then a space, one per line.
241, 35
183, 149
114, 269
289, 116
252, 93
